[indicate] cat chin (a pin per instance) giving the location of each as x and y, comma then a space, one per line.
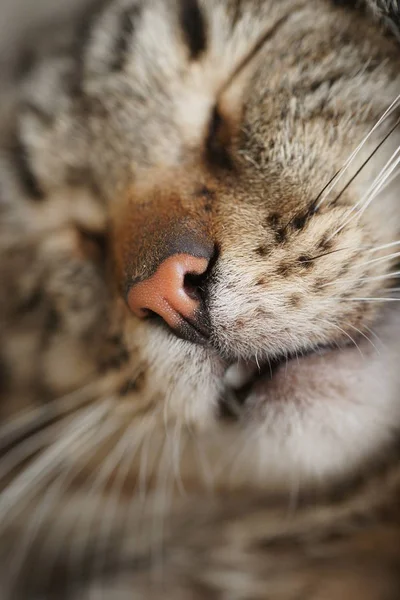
323, 416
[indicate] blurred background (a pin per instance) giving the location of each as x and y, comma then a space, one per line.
20, 18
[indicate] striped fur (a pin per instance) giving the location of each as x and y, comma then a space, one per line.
138, 465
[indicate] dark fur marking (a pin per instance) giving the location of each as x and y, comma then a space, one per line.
194, 27
299, 221
273, 222
217, 152
207, 195
261, 281
82, 40
306, 261
128, 19
284, 269
325, 243
262, 251
117, 354
133, 385
205, 192
26, 175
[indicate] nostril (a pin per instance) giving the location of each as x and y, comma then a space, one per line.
172, 291
192, 284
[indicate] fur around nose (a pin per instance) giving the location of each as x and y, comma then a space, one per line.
165, 293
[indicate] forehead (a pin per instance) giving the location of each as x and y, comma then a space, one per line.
155, 70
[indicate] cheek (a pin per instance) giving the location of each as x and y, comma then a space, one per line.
182, 380
256, 311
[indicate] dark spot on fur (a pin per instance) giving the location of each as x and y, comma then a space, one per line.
133, 385
285, 269
194, 27
5, 376
262, 251
306, 261
207, 195
128, 20
299, 221
261, 281
52, 321
27, 177
294, 301
218, 142
325, 243
205, 192
115, 354
273, 221
83, 38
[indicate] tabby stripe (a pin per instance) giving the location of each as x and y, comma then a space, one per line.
82, 40
26, 175
194, 27
128, 20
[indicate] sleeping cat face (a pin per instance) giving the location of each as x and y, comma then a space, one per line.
195, 234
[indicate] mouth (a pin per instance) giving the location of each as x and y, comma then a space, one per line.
247, 379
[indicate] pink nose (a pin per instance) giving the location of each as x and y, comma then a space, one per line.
165, 292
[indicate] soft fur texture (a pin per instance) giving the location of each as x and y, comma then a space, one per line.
136, 464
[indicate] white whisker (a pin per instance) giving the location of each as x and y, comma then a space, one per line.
384, 247
395, 274
111, 509
20, 490
353, 155
380, 259
39, 417
375, 188
52, 495
330, 324
363, 335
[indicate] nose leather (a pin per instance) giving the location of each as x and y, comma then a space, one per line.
164, 293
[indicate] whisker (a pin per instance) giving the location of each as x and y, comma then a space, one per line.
366, 161
352, 156
20, 453
99, 482
36, 419
329, 323
372, 332
393, 275
53, 493
364, 335
162, 495
371, 193
384, 247
312, 258
388, 257
23, 486
109, 427
366, 299
111, 509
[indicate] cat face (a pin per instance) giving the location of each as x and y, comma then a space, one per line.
244, 245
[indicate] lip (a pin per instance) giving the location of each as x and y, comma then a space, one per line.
246, 378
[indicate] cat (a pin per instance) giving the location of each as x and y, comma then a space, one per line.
199, 329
